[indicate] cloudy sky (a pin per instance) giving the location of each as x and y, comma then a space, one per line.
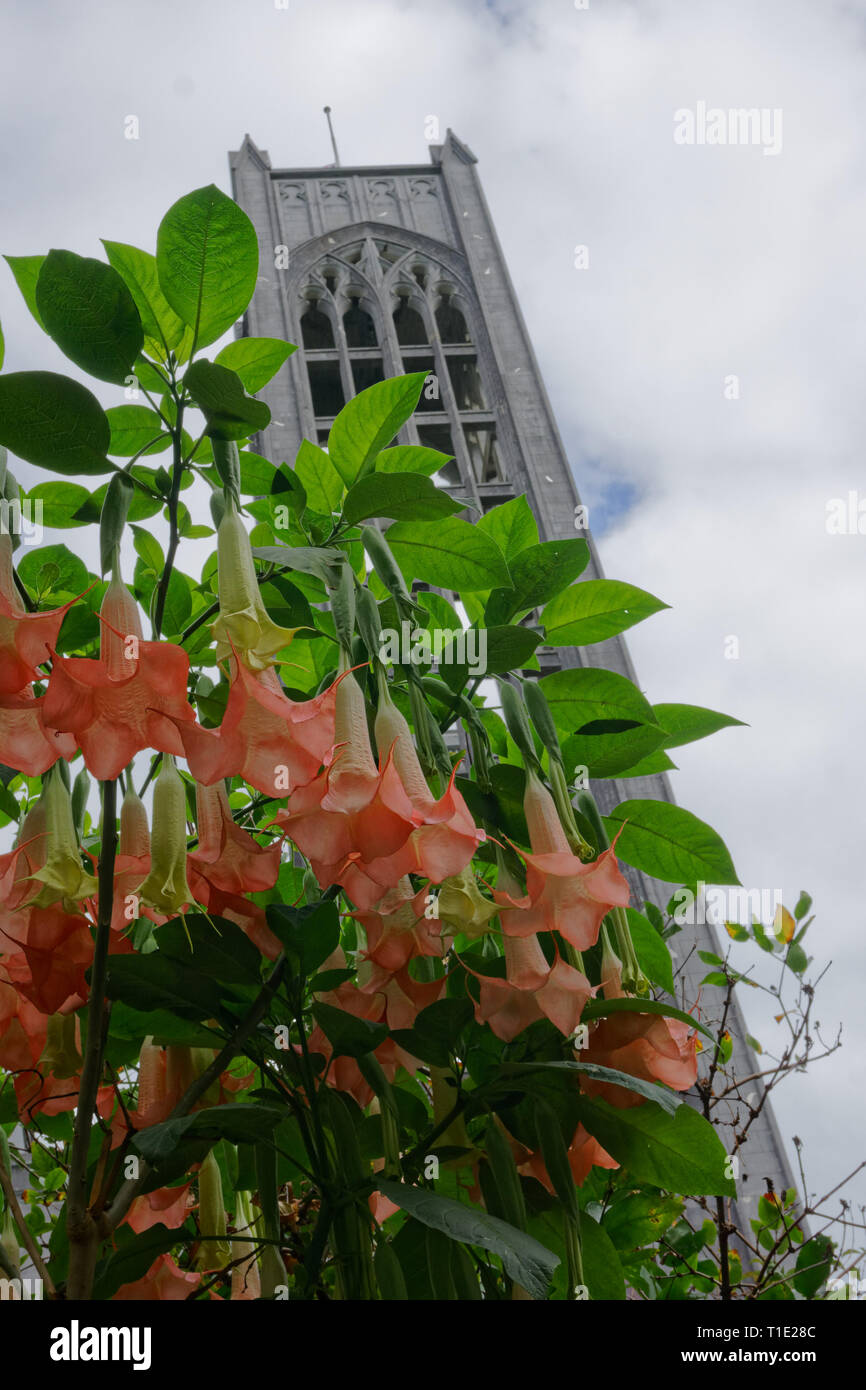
706, 263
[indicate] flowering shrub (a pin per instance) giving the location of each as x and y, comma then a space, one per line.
356, 1010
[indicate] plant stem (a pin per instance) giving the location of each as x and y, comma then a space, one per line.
83, 1235
173, 533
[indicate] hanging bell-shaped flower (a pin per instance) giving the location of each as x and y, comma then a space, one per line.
166, 887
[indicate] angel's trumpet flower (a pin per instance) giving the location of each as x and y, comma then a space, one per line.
26, 639
166, 887
243, 627
62, 876
133, 697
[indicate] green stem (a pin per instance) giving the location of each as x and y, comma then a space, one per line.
83, 1235
174, 531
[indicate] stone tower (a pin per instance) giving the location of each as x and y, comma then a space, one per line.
384, 269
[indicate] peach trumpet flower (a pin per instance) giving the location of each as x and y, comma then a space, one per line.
132, 697
562, 893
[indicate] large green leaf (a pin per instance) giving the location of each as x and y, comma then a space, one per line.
608, 753
213, 945
54, 422
449, 553
538, 573
133, 426
53, 569
594, 610
580, 696
255, 360
653, 956
60, 502
309, 933
648, 1090
526, 1260
207, 258
219, 393
670, 843
511, 525
26, 271
239, 1123
369, 421
164, 331
434, 1034
602, 1271
91, 315
350, 1036
685, 723
149, 982
411, 458
402, 496
322, 483
680, 1153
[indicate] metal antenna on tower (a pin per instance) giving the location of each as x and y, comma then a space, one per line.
327, 111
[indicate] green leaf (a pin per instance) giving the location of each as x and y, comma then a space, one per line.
511, 525
525, 1259
323, 563
796, 958
538, 573
613, 752
239, 1123
367, 422
595, 610
215, 946
322, 483
669, 843
309, 933
648, 1090
685, 723
436, 1030
255, 360
403, 496
804, 902
164, 331
680, 1153
207, 259
602, 1271
60, 502
257, 473
149, 982
26, 271
132, 426
68, 573
578, 697
54, 422
178, 604
640, 1218
814, 1260
350, 1036
411, 458
149, 549
449, 553
219, 394
91, 315
653, 956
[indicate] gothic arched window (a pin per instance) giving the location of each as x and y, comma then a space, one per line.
359, 327
450, 321
317, 330
409, 324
